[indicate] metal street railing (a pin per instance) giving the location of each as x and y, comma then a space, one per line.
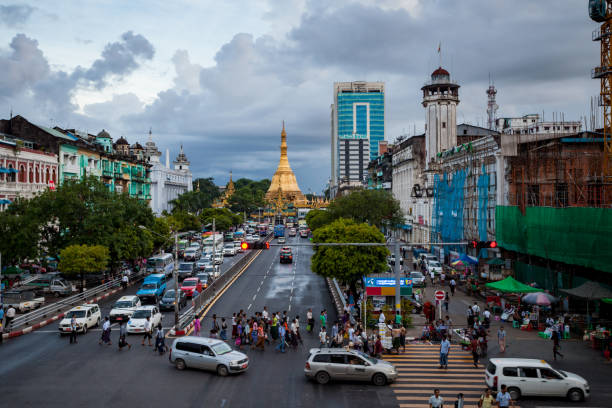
71, 301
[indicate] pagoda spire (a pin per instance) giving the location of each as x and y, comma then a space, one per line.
284, 184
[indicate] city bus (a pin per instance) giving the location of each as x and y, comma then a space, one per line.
163, 263
214, 248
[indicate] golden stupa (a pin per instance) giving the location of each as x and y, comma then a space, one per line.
284, 186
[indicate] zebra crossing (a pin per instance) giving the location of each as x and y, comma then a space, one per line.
419, 375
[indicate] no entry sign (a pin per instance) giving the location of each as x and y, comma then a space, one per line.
439, 295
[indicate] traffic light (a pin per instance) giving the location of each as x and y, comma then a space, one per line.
244, 246
473, 244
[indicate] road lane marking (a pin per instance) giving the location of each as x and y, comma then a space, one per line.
254, 296
250, 304
289, 308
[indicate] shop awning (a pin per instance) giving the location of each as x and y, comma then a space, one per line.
589, 290
4, 170
5, 201
496, 261
466, 259
511, 285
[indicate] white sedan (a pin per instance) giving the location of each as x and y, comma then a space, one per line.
137, 321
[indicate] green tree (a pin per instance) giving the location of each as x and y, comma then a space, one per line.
376, 207
83, 259
20, 229
318, 218
183, 221
224, 218
161, 233
348, 263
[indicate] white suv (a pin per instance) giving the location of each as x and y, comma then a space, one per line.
87, 316
124, 308
531, 377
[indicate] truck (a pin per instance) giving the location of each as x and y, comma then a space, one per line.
279, 230
23, 299
51, 284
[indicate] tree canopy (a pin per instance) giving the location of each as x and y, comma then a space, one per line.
249, 195
83, 259
195, 201
348, 263
318, 218
78, 212
376, 207
224, 218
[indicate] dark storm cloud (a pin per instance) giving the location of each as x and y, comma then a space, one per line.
228, 114
118, 58
15, 14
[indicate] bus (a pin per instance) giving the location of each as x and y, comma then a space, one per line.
163, 263
279, 231
182, 245
229, 237
262, 230
208, 244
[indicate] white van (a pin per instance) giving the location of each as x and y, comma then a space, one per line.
531, 377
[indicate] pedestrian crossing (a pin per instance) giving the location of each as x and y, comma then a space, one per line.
419, 375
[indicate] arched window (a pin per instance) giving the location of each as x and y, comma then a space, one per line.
54, 176
11, 175
31, 174
37, 173
47, 176
22, 174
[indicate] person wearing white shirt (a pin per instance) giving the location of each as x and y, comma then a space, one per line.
436, 401
381, 317
476, 310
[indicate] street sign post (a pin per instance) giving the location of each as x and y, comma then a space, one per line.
439, 295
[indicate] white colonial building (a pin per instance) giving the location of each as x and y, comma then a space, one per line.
166, 183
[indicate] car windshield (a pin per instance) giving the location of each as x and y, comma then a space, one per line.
416, 275
221, 348
76, 313
190, 251
190, 282
169, 294
141, 314
434, 264
563, 373
185, 266
149, 286
123, 303
366, 357
154, 263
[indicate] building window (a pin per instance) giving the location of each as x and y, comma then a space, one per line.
533, 195
37, 174
465, 131
47, 176
11, 175
443, 125
22, 174
561, 197
31, 175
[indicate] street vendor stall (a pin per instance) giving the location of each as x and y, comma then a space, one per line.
511, 285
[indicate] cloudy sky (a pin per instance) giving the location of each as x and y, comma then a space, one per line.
221, 76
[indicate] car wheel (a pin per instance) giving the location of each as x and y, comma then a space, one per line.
322, 377
379, 379
575, 395
222, 370
85, 328
98, 322
180, 364
515, 393
56, 294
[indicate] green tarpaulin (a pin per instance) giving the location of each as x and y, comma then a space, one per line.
496, 261
511, 285
576, 235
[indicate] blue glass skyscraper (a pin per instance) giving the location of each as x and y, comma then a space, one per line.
358, 126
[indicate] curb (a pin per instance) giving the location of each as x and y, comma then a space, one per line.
37, 326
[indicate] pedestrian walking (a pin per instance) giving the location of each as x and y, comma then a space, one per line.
214, 326
323, 338
432, 275
160, 343
402, 338
378, 347
501, 339
223, 333
310, 321
106, 330
446, 300
323, 319
124, 281
504, 399
460, 403
436, 400
444, 350
123, 336
297, 329
556, 345
398, 318
197, 326
470, 317
281, 345
486, 400
10, 316
474, 350
148, 331
452, 285
260, 338
476, 310
238, 340
487, 318
234, 326
73, 329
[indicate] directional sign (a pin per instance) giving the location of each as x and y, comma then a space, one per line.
439, 295
386, 282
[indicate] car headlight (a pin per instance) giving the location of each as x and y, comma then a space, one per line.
234, 363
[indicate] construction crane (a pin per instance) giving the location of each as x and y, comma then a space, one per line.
601, 12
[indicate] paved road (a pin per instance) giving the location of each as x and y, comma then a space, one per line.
42, 369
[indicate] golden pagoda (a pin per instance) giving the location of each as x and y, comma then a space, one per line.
223, 201
284, 186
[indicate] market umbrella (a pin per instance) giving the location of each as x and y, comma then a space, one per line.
458, 264
539, 298
590, 291
466, 259
511, 285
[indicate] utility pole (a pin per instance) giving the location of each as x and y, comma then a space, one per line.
176, 288
398, 268
214, 257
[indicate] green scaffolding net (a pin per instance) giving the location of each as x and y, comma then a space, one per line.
577, 235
